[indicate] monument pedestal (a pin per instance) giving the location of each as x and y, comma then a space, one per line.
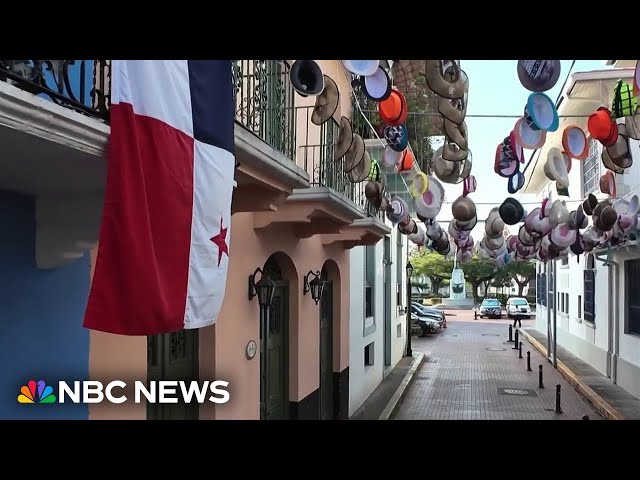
458, 291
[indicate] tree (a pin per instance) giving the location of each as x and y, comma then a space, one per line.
476, 271
433, 265
521, 272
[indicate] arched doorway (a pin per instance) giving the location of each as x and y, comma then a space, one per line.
326, 348
274, 361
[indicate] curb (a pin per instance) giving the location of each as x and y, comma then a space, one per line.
602, 406
396, 399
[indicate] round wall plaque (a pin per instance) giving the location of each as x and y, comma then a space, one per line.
252, 348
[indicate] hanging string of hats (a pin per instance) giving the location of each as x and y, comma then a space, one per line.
551, 231
547, 232
426, 191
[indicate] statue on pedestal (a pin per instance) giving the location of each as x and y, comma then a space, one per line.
457, 288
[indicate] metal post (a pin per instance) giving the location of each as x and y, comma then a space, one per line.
529, 362
510, 334
540, 384
515, 345
409, 351
520, 351
558, 408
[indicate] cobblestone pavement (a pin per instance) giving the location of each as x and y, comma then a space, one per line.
468, 376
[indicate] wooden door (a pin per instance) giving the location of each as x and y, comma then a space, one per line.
326, 352
173, 356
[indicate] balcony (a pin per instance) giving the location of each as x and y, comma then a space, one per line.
53, 132
332, 206
265, 136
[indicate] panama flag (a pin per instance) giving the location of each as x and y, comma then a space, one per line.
164, 238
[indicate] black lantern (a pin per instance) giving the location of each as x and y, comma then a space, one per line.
409, 270
263, 288
315, 286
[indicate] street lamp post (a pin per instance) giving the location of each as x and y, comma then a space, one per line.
264, 289
408, 309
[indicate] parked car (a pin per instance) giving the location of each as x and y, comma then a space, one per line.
491, 307
422, 310
427, 324
518, 307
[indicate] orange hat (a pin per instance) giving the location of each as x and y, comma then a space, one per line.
393, 110
407, 161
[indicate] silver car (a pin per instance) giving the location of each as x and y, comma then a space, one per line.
491, 307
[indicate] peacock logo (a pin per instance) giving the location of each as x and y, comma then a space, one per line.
44, 393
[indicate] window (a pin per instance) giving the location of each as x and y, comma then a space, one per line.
368, 354
589, 290
564, 261
633, 296
591, 169
579, 306
370, 279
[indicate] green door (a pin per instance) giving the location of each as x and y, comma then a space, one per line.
173, 356
326, 352
275, 374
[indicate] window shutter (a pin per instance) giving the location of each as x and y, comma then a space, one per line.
589, 295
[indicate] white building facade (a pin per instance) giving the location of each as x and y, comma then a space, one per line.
377, 329
591, 303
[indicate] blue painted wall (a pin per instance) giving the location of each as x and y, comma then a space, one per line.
41, 312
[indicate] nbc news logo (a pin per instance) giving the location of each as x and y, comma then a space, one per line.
91, 391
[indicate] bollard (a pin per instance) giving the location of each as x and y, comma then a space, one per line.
585, 417
510, 334
558, 409
529, 362
540, 384
515, 346
520, 351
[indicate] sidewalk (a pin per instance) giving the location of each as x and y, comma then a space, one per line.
385, 397
473, 373
612, 401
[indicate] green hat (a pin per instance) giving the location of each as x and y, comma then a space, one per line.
374, 171
624, 103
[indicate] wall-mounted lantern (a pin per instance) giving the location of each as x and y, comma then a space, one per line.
263, 288
315, 286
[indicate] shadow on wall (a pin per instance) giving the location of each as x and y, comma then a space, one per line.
41, 311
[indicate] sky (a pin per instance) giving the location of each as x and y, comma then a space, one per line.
494, 89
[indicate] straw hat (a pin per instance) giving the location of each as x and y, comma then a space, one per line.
326, 103
345, 139
450, 82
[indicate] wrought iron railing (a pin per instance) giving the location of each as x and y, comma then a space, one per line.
264, 100
316, 145
82, 85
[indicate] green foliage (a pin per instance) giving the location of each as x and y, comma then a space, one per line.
431, 264
521, 272
478, 270
502, 278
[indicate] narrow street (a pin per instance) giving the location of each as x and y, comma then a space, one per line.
471, 372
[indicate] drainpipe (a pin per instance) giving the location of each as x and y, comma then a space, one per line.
555, 311
613, 347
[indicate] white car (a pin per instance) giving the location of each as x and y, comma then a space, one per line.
518, 307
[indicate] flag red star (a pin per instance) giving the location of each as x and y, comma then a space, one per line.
221, 241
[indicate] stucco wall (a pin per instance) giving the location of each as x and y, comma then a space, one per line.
363, 379
238, 322
41, 311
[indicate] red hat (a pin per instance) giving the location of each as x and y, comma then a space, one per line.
602, 127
